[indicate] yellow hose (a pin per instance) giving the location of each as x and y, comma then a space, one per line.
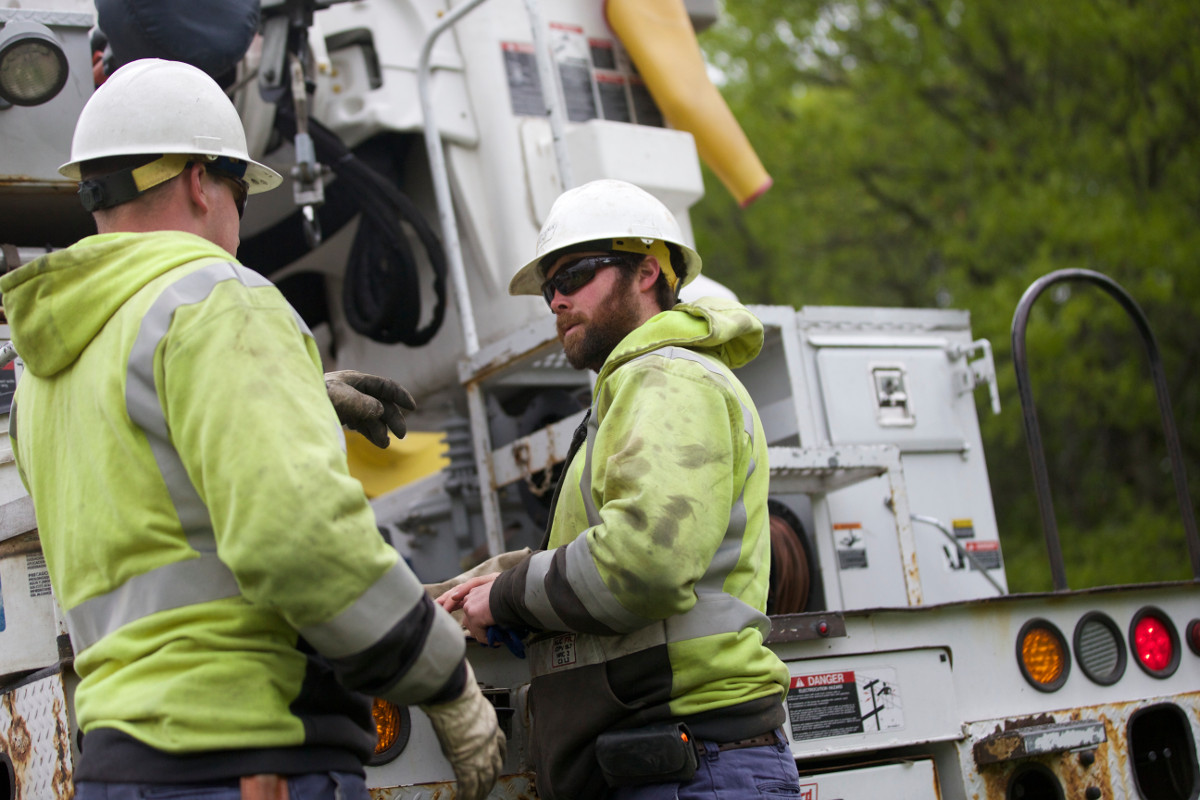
659, 37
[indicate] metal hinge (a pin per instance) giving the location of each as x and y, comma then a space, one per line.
980, 371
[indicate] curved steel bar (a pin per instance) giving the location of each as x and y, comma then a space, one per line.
554, 110
1033, 436
441, 181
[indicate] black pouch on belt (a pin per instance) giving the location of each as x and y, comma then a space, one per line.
659, 753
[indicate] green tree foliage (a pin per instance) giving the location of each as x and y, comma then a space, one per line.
944, 153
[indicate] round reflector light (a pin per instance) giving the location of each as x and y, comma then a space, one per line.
33, 67
1100, 648
393, 725
1154, 642
1193, 636
1043, 656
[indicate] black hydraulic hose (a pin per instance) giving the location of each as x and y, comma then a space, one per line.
381, 291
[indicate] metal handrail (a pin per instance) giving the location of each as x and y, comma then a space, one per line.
489, 502
437, 157
1033, 434
441, 181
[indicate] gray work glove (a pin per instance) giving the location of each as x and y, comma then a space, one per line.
471, 740
369, 404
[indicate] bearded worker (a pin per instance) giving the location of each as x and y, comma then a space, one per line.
649, 674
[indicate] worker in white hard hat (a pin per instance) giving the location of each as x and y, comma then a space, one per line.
232, 607
650, 678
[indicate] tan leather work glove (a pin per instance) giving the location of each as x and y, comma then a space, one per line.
471, 740
369, 404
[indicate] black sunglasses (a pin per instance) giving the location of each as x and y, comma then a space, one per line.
579, 273
241, 189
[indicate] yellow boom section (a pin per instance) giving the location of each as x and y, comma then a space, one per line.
662, 43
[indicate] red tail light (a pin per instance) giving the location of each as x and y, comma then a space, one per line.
1154, 642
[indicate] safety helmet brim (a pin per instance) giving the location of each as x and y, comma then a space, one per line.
158, 107
259, 177
602, 211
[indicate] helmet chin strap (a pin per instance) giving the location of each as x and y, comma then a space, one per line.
115, 188
650, 247
119, 187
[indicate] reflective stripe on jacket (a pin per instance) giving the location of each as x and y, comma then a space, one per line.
221, 572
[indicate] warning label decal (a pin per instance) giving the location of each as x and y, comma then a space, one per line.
844, 703
573, 56
524, 83
39, 576
986, 553
613, 100
596, 75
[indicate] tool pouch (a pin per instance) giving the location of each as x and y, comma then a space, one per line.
659, 753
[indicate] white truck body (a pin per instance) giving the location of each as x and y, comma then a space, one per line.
905, 663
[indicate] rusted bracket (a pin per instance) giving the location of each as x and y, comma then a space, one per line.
1037, 740
804, 627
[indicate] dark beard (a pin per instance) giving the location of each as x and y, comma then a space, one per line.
612, 322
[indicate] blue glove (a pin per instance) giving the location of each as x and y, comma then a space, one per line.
510, 638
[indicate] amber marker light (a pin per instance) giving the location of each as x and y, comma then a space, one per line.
393, 725
1043, 656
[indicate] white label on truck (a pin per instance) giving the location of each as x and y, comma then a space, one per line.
524, 83
844, 703
39, 577
851, 545
573, 57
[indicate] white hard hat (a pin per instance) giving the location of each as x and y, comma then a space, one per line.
152, 106
615, 214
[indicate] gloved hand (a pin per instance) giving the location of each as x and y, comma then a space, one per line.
512, 639
369, 404
471, 740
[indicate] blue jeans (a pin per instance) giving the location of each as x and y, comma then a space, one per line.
752, 772
313, 786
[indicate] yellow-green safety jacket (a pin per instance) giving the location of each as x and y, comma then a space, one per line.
659, 560
228, 594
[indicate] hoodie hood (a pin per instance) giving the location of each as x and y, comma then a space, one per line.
714, 325
57, 304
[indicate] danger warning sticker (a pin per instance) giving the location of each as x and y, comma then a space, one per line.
986, 553
842, 703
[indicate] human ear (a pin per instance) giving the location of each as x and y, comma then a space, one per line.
199, 191
648, 272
